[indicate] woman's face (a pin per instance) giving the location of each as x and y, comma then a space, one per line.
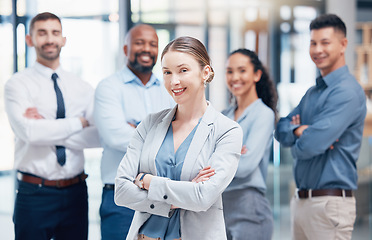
183, 76
240, 76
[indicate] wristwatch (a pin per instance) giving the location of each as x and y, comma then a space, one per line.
142, 186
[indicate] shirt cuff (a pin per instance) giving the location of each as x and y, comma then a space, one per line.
156, 190
293, 127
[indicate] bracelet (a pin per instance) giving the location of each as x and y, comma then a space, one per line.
141, 181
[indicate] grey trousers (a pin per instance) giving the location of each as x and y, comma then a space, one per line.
247, 215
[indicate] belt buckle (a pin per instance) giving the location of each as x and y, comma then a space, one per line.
307, 193
58, 184
61, 183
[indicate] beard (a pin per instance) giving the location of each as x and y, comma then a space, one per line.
139, 67
49, 56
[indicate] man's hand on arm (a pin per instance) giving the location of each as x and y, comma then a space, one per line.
132, 125
332, 147
84, 122
244, 150
296, 120
298, 131
32, 113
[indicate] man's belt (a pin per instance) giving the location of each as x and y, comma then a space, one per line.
109, 186
323, 192
62, 183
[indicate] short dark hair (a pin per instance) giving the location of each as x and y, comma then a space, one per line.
328, 20
43, 17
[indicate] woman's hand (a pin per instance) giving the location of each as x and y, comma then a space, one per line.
137, 180
143, 180
204, 174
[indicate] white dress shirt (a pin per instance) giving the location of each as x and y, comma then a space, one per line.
35, 139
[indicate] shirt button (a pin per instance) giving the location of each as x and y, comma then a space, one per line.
165, 197
152, 206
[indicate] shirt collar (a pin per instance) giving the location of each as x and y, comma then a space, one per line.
129, 76
251, 107
46, 71
231, 111
334, 77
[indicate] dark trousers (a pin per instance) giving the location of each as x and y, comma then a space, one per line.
115, 220
43, 213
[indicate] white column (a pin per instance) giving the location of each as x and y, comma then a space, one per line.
346, 10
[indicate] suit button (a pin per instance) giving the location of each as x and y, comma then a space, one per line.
165, 197
152, 206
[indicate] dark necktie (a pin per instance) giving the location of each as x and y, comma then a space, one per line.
60, 150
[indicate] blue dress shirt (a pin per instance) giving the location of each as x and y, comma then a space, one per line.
121, 99
334, 109
168, 164
257, 122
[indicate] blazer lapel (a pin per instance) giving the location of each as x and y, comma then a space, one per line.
159, 135
197, 143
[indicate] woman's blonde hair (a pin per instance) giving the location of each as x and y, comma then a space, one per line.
193, 47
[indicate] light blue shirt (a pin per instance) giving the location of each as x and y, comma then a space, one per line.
168, 164
119, 99
257, 122
335, 110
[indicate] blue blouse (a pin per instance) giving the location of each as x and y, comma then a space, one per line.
168, 164
257, 122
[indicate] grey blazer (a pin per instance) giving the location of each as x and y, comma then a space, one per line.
217, 142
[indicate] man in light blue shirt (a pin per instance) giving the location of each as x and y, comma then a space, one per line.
324, 132
121, 102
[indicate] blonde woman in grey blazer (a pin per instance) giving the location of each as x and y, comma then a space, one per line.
191, 205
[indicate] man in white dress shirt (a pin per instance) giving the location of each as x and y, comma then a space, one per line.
50, 112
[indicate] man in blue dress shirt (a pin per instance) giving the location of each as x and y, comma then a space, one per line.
324, 132
121, 102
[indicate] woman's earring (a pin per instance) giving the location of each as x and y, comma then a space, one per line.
205, 83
